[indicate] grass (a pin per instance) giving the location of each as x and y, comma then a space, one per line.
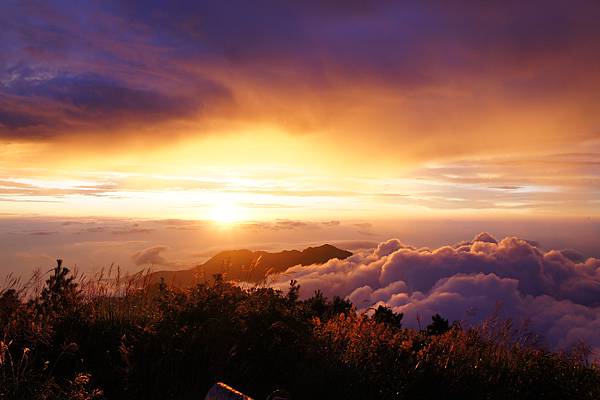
117, 337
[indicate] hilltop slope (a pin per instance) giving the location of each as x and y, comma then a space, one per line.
249, 266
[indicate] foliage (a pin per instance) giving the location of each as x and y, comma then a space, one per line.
385, 315
76, 340
438, 325
60, 293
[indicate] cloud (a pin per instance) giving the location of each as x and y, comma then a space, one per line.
331, 223
92, 229
105, 66
573, 255
286, 224
15, 120
40, 105
354, 245
556, 292
43, 233
131, 231
151, 256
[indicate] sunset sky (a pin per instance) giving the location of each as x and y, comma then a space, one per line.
314, 112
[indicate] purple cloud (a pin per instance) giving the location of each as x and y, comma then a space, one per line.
66, 63
557, 294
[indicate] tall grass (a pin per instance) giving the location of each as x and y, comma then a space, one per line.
117, 336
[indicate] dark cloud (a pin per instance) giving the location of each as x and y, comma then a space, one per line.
131, 231
331, 223
177, 222
14, 120
76, 100
573, 255
43, 233
557, 292
93, 229
285, 224
180, 224
93, 94
506, 187
131, 62
387, 31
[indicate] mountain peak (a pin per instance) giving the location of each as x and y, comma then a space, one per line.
250, 266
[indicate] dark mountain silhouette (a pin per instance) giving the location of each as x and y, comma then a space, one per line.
249, 266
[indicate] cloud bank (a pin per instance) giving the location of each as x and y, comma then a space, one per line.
557, 293
150, 256
134, 68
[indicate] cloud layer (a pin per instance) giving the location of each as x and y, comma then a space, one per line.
404, 107
138, 67
150, 256
556, 292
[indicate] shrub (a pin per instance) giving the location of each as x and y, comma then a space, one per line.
137, 341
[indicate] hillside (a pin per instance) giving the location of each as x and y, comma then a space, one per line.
249, 266
69, 342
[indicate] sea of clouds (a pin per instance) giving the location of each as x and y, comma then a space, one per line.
556, 293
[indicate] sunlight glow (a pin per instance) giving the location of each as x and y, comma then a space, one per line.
226, 212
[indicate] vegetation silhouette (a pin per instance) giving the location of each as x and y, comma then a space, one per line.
385, 315
122, 338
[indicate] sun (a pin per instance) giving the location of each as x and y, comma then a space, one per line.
226, 212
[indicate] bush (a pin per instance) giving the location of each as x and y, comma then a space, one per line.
137, 341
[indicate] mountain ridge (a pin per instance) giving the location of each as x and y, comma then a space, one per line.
249, 266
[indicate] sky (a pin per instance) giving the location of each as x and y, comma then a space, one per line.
237, 114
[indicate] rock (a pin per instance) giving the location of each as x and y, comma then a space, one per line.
221, 391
